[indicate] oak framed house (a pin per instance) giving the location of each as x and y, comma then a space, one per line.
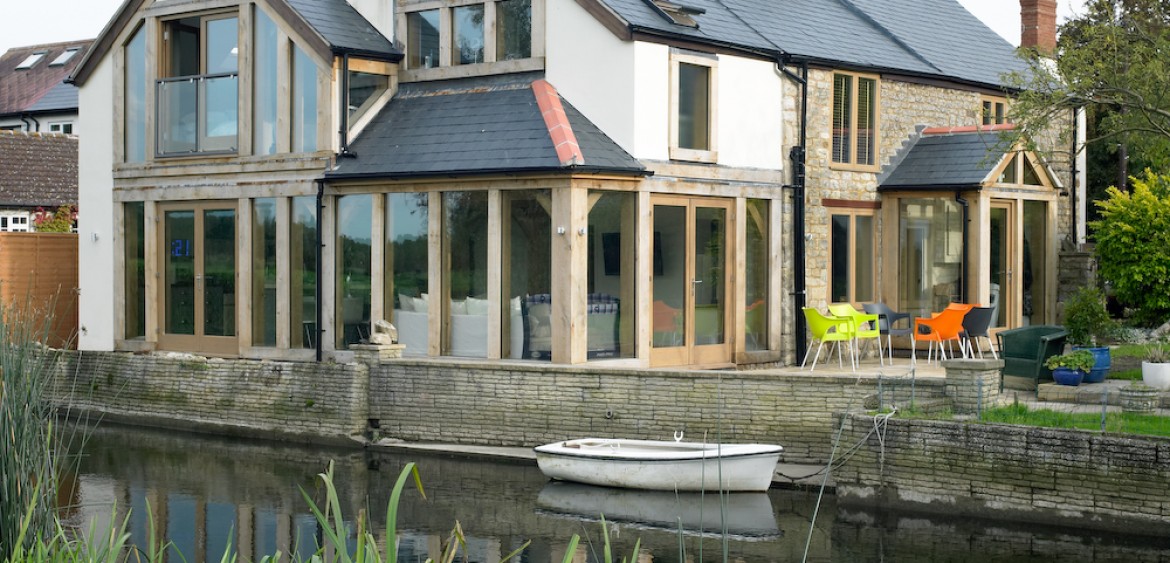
612, 182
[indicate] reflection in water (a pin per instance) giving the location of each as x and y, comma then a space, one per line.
203, 491
743, 516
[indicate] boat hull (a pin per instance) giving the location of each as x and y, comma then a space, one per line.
660, 465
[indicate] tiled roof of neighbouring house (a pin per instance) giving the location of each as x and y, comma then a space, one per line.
922, 37
475, 126
39, 87
343, 27
37, 169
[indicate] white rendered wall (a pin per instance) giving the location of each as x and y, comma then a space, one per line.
749, 118
95, 133
379, 12
592, 69
652, 101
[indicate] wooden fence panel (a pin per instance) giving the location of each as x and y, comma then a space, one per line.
38, 272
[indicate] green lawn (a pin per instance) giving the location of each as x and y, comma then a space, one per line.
1115, 422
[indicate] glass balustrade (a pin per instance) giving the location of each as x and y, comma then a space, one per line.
198, 114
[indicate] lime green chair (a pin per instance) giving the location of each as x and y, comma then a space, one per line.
865, 328
838, 330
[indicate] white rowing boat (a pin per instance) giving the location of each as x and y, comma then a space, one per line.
660, 465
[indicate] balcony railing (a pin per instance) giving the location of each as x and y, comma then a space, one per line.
198, 114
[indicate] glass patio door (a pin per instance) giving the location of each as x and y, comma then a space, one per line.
1002, 268
1018, 269
691, 277
198, 298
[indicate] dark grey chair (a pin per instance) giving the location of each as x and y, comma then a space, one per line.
976, 325
887, 319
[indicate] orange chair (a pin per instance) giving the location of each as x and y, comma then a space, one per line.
941, 328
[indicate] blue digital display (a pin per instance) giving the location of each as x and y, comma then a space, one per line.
181, 248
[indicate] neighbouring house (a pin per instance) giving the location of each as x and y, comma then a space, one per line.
33, 93
614, 182
38, 176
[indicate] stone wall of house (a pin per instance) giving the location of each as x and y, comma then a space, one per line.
1050, 476
296, 400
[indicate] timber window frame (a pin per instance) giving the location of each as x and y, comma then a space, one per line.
694, 133
993, 110
495, 51
855, 124
845, 252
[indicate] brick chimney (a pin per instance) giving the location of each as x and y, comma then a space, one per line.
1038, 24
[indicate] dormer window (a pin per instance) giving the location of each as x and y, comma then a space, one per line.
31, 60
64, 57
423, 34
467, 35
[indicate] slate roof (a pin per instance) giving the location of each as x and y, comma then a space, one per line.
475, 126
40, 88
37, 169
948, 160
343, 27
936, 38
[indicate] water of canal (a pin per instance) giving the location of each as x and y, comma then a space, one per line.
206, 491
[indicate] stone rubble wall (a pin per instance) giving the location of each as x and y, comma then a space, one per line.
1046, 475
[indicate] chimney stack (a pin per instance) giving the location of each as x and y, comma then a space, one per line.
1038, 25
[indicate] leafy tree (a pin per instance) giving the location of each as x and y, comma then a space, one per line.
57, 221
1115, 61
1133, 246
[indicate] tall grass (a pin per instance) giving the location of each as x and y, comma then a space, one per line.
29, 444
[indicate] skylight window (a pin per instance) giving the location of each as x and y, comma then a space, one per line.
31, 61
63, 57
676, 13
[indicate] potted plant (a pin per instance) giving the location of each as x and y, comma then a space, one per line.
1088, 324
1070, 368
1156, 367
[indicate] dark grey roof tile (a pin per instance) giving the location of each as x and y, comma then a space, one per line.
343, 27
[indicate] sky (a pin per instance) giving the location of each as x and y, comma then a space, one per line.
84, 19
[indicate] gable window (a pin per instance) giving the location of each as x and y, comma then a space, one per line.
852, 250
198, 96
265, 83
855, 120
1022, 170
994, 111
693, 107
304, 102
135, 86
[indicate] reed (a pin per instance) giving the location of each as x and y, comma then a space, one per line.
31, 448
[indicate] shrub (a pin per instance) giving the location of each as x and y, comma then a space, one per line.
1080, 360
1133, 246
1086, 318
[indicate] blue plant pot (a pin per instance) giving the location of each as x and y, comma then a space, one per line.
1102, 365
1066, 376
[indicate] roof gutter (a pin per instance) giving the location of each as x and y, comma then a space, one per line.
458, 173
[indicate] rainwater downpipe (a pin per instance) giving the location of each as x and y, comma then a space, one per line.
317, 288
963, 266
1074, 229
797, 155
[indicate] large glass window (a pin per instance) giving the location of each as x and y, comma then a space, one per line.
304, 102
303, 272
265, 51
757, 266
407, 272
527, 313
364, 90
134, 225
467, 35
199, 115
422, 34
354, 228
613, 236
513, 29
465, 233
1033, 279
854, 119
136, 97
264, 272
930, 249
852, 247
